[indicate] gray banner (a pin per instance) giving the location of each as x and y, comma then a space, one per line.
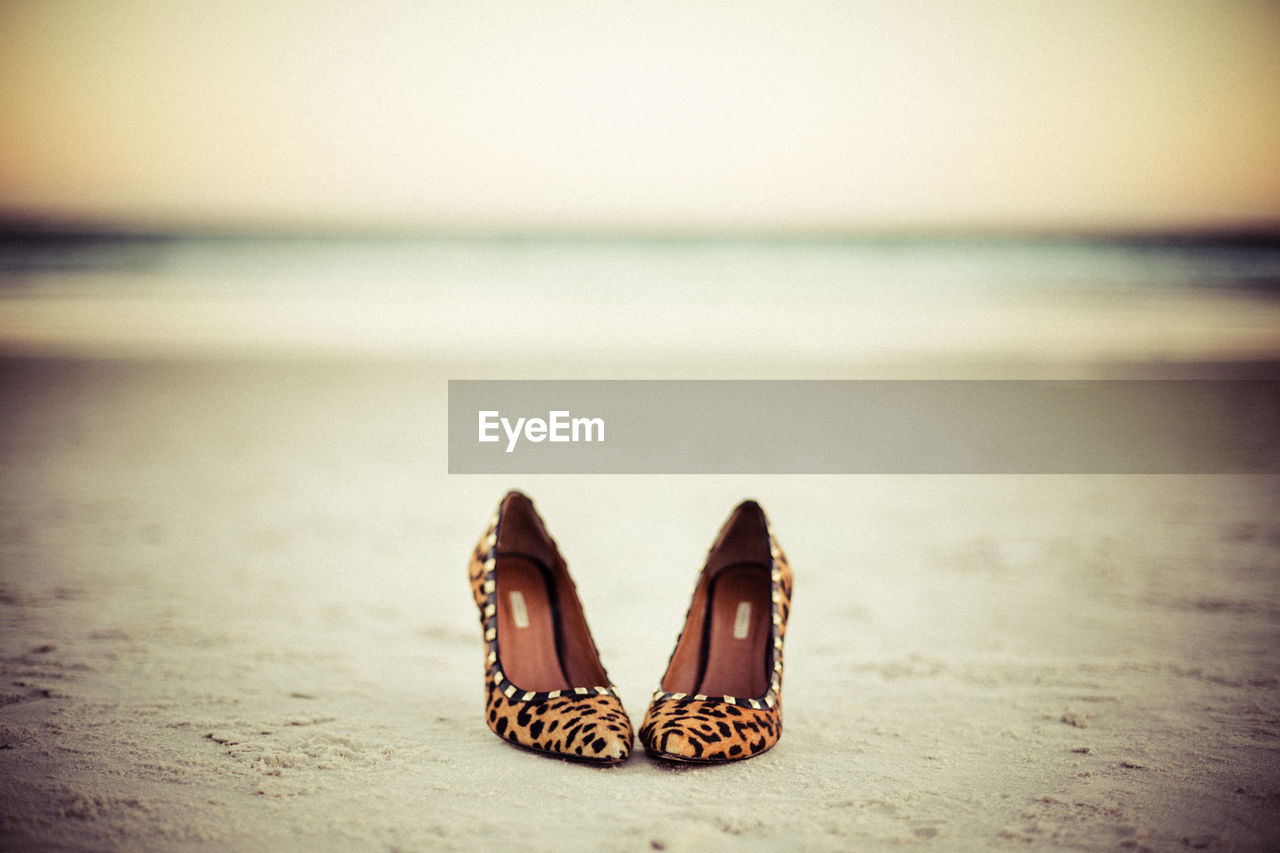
864, 427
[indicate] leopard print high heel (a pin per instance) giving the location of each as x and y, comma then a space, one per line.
545, 687
721, 697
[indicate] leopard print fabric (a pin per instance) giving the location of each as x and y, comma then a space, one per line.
690, 729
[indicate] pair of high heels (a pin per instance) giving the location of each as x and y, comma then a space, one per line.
546, 689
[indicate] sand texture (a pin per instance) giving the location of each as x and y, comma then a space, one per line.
234, 614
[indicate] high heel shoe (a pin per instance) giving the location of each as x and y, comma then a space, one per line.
546, 689
720, 699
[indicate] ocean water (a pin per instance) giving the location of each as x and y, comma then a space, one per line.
530, 297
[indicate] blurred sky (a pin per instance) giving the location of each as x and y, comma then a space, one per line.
555, 114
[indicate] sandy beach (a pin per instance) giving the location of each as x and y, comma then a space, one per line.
234, 615
251, 253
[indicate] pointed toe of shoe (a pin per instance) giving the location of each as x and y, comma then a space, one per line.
684, 744
602, 748
708, 731
590, 728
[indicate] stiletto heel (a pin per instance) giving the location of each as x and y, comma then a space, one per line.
720, 699
545, 687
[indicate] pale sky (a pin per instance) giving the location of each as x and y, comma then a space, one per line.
784, 116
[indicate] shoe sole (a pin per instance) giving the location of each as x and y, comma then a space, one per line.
569, 757
684, 759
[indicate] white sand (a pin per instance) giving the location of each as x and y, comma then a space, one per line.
234, 614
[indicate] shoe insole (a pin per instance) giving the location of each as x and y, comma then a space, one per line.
739, 629
527, 625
